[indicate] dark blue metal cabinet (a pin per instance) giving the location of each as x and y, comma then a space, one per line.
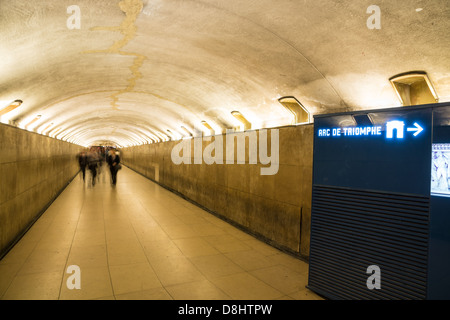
380, 199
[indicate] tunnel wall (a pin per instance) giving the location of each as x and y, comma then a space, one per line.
275, 208
34, 169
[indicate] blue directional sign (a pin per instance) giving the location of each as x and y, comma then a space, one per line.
358, 155
417, 129
381, 197
393, 129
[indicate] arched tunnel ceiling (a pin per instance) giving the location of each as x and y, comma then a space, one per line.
137, 68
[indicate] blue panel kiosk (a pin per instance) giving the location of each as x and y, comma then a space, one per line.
380, 218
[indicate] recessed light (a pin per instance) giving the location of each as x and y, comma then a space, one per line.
299, 113
414, 88
245, 123
13, 105
187, 131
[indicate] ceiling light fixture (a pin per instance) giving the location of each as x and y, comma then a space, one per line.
208, 126
13, 105
414, 88
245, 124
299, 113
33, 121
189, 134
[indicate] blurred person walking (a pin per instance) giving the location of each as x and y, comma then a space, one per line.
82, 161
92, 162
114, 165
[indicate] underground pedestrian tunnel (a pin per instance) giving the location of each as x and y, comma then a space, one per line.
165, 83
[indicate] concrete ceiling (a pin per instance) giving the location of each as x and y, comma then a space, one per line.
137, 68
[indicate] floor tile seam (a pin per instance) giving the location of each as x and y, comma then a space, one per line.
31, 251
159, 225
253, 276
70, 249
188, 258
257, 277
11, 281
49, 224
197, 255
249, 269
291, 294
108, 265
209, 277
155, 220
143, 249
17, 270
32, 275
226, 242
280, 264
189, 211
222, 220
192, 281
262, 280
144, 290
222, 251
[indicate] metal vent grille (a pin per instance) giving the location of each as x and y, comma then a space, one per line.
354, 229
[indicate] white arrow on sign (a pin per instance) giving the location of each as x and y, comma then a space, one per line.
418, 129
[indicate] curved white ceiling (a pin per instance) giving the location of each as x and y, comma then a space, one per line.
138, 68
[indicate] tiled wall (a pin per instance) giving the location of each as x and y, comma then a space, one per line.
33, 170
276, 207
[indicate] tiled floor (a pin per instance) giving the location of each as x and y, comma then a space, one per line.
139, 241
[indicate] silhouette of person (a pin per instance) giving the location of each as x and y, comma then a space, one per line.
92, 162
114, 165
82, 161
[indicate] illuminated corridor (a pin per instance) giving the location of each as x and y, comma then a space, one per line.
289, 149
139, 241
